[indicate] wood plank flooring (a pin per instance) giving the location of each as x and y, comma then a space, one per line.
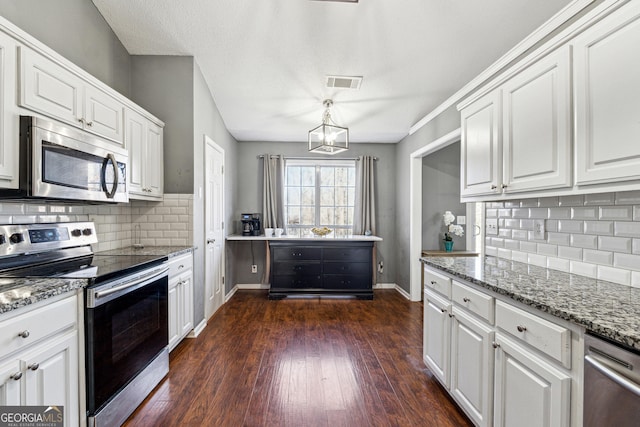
303, 362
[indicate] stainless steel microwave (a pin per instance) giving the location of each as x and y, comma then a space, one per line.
60, 162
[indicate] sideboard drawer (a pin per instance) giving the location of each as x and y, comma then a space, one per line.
476, 302
346, 281
297, 268
549, 338
296, 282
438, 282
346, 268
298, 253
347, 254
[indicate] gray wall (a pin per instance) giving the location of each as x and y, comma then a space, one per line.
249, 199
440, 193
164, 86
446, 122
76, 30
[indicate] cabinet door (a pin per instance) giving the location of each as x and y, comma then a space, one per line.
481, 156
186, 299
103, 114
52, 376
48, 88
437, 336
154, 176
11, 383
136, 132
536, 121
528, 390
174, 313
607, 98
9, 129
472, 366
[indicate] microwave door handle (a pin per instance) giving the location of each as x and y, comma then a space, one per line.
110, 158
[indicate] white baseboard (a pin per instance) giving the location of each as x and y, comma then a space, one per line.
199, 328
252, 286
393, 286
232, 292
403, 292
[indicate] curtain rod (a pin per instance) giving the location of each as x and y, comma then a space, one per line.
275, 156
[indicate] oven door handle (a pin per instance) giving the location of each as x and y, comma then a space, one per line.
110, 291
110, 193
613, 375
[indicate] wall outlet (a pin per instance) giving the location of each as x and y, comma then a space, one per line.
254, 268
380, 267
492, 226
538, 229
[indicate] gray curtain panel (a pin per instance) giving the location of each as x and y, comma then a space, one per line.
365, 203
273, 192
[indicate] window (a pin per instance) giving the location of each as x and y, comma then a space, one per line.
319, 193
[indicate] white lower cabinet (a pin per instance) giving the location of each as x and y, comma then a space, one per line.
529, 391
503, 365
39, 361
180, 298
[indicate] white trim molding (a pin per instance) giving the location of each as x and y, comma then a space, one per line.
197, 330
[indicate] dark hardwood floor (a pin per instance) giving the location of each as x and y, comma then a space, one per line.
303, 362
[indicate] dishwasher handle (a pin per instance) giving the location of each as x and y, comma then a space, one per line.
621, 380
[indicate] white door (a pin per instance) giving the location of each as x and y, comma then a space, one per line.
214, 227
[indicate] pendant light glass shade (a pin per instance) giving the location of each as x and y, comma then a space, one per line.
328, 138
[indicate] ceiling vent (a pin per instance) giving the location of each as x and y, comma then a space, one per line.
344, 82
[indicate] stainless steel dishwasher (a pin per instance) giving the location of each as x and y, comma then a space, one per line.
611, 384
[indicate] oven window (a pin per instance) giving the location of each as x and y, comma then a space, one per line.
123, 336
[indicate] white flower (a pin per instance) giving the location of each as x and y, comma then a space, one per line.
457, 230
448, 218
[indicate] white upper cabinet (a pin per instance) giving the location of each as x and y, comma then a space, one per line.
481, 157
9, 121
536, 111
144, 142
607, 98
48, 88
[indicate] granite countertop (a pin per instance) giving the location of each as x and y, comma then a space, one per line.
607, 309
18, 293
168, 251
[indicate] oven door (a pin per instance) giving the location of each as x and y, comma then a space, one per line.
126, 328
69, 164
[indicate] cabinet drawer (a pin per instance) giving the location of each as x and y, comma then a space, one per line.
38, 324
296, 253
296, 282
347, 268
438, 282
296, 268
346, 282
180, 264
348, 254
475, 301
549, 338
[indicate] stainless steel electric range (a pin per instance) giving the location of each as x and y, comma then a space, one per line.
126, 310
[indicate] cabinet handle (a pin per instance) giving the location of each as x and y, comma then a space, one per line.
495, 344
443, 310
521, 328
24, 334
504, 186
451, 315
16, 376
34, 366
81, 120
465, 299
180, 266
89, 124
433, 282
493, 187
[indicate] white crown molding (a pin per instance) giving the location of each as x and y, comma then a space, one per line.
529, 42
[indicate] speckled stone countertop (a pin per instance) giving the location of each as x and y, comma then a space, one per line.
18, 293
605, 308
169, 251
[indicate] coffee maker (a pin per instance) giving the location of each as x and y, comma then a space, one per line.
250, 224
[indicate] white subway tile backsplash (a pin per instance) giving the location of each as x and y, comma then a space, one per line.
519, 256
627, 261
497, 242
614, 275
584, 213
583, 269
562, 239
512, 204
614, 244
504, 253
635, 279
599, 199
519, 213
604, 228
635, 246
546, 249
626, 229
597, 257
558, 264
616, 213
568, 252
577, 200
627, 197
491, 251
530, 247
519, 234
528, 203
12, 208
538, 213
511, 244
570, 226
512, 223
504, 232
559, 213
636, 213
539, 260
548, 202
584, 241
552, 225
526, 224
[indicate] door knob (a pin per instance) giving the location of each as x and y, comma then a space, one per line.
209, 241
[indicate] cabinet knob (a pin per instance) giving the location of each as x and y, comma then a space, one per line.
24, 334
81, 120
89, 124
495, 344
433, 282
493, 187
521, 328
443, 310
465, 299
504, 186
34, 366
16, 376
451, 315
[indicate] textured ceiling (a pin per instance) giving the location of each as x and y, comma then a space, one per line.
265, 61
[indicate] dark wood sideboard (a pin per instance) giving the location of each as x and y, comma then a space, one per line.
321, 267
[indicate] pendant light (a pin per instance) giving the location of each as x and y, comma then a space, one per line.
328, 138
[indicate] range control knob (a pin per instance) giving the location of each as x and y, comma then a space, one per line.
3, 239
87, 232
16, 238
76, 232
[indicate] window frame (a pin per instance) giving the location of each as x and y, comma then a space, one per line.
318, 164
